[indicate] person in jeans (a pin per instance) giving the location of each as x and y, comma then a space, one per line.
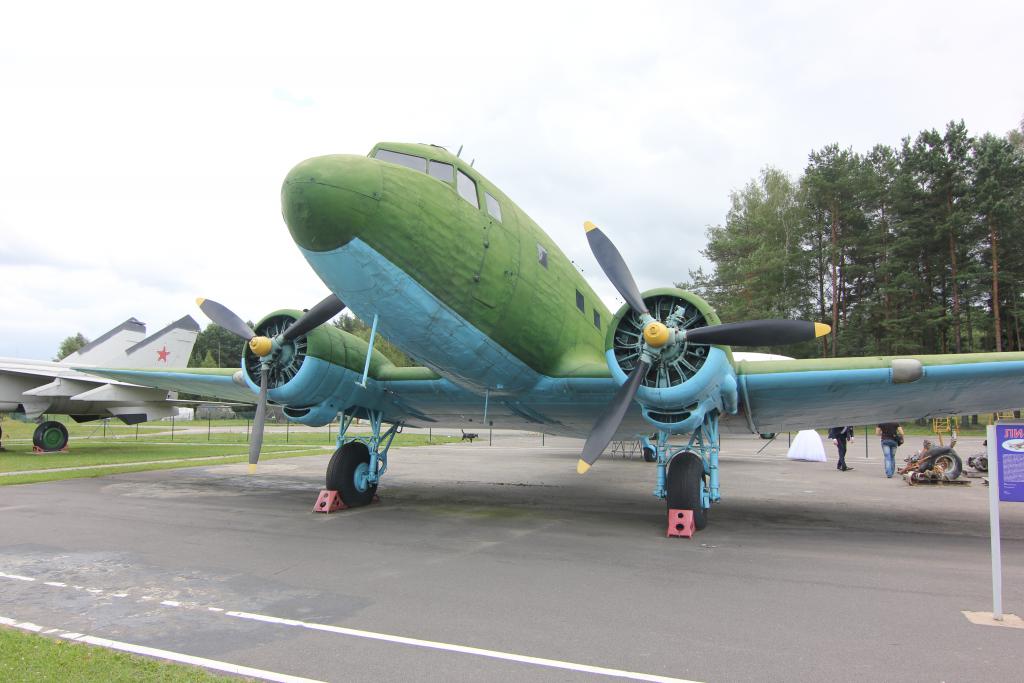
840, 436
892, 436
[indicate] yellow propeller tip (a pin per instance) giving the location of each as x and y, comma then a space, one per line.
821, 329
588, 226
252, 468
199, 301
582, 466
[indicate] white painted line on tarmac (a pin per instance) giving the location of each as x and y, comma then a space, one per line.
414, 642
462, 649
16, 577
55, 584
214, 664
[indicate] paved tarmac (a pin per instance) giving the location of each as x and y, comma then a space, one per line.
492, 555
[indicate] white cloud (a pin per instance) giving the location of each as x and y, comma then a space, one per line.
142, 147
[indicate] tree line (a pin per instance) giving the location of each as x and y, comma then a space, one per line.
912, 249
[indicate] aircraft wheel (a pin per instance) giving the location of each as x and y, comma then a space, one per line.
650, 455
346, 474
50, 436
684, 484
949, 462
944, 459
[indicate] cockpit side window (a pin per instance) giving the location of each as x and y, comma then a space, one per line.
467, 189
493, 207
441, 171
415, 163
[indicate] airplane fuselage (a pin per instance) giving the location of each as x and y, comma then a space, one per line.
456, 272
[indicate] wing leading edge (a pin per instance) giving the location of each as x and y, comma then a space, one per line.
207, 382
805, 394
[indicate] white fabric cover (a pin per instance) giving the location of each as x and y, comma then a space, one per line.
807, 445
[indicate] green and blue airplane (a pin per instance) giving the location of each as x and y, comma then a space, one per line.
510, 335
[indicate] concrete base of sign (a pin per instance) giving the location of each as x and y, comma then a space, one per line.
985, 619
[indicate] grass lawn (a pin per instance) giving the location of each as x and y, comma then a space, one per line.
156, 451
19, 457
29, 657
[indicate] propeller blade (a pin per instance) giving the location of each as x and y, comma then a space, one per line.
758, 333
318, 315
224, 317
614, 267
256, 440
606, 425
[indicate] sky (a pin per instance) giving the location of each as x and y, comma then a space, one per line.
143, 145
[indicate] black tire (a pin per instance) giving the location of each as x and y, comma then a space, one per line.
684, 484
947, 457
50, 436
649, 454
767, 436
342, 470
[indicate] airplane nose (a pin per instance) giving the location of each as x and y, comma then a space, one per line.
327, 200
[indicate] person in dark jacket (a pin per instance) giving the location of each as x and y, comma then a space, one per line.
840, 436
892, 437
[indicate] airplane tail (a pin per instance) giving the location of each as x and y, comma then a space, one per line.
109, 348
168, 348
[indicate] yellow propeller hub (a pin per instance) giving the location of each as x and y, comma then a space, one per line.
261, 346
656, 334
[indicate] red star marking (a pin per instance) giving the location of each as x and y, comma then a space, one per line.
162, 354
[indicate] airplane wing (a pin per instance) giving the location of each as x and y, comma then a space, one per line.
788, 395
216, 383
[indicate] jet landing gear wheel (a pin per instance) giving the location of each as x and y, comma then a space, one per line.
50, 436
684, 484
347, 474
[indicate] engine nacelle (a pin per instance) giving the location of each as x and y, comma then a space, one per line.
688, 380
316, 374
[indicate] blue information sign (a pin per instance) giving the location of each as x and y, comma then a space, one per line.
1010, 461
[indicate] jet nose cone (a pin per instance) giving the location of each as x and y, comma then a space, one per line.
326, 201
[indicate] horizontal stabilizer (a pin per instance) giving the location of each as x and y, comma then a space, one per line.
62, 388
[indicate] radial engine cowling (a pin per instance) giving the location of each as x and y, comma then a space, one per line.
685, 382
315, 376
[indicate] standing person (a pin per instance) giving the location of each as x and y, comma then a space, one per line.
892, 437
840, 436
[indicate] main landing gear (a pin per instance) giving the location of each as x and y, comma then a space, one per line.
50, 436
359, 462
688, 475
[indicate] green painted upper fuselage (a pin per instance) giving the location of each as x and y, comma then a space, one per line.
487, 265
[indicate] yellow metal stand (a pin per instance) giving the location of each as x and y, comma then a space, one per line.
944, 425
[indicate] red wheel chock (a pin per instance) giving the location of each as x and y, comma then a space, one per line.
330, 501
680, 523
37, 449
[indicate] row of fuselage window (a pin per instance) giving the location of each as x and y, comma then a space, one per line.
466, 187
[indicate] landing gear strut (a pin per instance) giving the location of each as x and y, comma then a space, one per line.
359, 462
688, 475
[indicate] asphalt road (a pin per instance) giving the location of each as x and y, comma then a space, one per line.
804, 573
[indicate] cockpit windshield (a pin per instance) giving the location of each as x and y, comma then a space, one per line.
413, 162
